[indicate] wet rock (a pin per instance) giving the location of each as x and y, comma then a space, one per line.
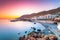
38, 30
25, 31
33, 28
34, 23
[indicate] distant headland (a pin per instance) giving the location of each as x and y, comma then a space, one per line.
53, 11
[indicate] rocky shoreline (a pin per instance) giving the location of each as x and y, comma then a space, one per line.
38, 36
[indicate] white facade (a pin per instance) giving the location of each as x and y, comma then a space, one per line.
48, 16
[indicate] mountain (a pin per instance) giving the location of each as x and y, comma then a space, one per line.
53, 11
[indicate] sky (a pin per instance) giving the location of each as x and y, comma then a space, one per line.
16, 8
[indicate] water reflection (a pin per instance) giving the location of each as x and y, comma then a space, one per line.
12, 30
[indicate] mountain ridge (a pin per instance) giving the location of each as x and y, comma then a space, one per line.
37, 14
41, 13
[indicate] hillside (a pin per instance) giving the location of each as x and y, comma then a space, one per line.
53, 11
41, 13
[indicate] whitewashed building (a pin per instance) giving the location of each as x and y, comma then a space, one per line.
48, 16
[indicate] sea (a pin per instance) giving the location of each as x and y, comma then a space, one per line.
13, 30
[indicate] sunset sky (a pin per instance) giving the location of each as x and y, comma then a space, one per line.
17, 8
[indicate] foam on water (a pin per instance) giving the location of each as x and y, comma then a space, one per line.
58, 26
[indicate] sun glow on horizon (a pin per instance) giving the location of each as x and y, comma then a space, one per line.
15, 13
15, 9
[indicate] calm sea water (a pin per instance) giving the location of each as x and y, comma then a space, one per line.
9, 30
